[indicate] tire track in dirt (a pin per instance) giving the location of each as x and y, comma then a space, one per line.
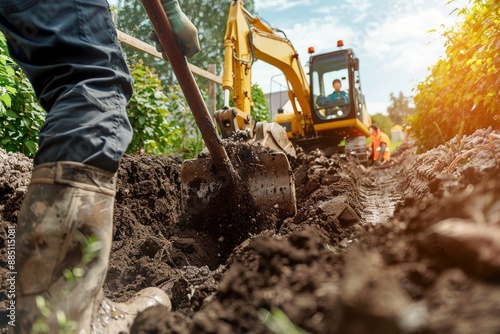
380, 193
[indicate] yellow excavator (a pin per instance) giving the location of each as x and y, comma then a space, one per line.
316, 118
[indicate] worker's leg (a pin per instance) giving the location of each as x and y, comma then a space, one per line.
68, 50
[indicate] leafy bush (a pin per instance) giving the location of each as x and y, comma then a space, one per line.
162, 124
260, 110
21, 117
462, 87
184, 138
147, 110
156, 130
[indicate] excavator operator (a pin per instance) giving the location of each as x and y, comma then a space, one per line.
332, 104
338, 95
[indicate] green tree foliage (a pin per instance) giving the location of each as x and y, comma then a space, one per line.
383, 122
260, 110
162, 125
209, 17
400, 108
462, 87
131, 18
21, 117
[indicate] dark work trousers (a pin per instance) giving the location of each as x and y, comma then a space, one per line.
69, 51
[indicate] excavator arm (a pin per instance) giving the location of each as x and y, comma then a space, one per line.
279, 52
248, 38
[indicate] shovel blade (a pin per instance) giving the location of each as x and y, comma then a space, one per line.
267, 181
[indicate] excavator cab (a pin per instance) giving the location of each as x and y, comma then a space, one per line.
331, 103
341, 116
330, 107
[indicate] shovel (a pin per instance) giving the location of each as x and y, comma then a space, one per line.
215, 185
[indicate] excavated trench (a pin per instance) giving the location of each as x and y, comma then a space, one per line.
380, 192
370, 250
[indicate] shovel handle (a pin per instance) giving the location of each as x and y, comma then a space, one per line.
170, 45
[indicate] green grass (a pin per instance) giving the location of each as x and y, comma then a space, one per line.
394, 144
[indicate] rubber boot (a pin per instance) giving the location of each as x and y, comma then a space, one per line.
63, 243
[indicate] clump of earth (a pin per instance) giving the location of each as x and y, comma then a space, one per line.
408, 247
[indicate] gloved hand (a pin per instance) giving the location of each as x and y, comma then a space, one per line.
183, 28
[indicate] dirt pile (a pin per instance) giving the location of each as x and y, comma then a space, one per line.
408, 247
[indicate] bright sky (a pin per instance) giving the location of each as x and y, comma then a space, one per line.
390, 37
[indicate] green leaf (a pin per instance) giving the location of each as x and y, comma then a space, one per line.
78, 272
31, 146
10, 71
26, 122
6, 99
10, 127
12, 114
68, 275
278, 322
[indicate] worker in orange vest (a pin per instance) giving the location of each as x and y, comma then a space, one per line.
379, 149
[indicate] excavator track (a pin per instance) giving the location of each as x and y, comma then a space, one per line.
356, 146
380, 193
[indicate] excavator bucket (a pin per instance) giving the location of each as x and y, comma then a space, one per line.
265, 183
270, 135
273, 136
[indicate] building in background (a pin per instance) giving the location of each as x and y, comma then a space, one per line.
397, 133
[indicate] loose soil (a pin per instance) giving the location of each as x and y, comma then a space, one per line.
408, 247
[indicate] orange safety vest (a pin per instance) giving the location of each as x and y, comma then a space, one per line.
377, 138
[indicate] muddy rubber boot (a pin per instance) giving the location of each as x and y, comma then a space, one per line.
111, 317
63, 243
